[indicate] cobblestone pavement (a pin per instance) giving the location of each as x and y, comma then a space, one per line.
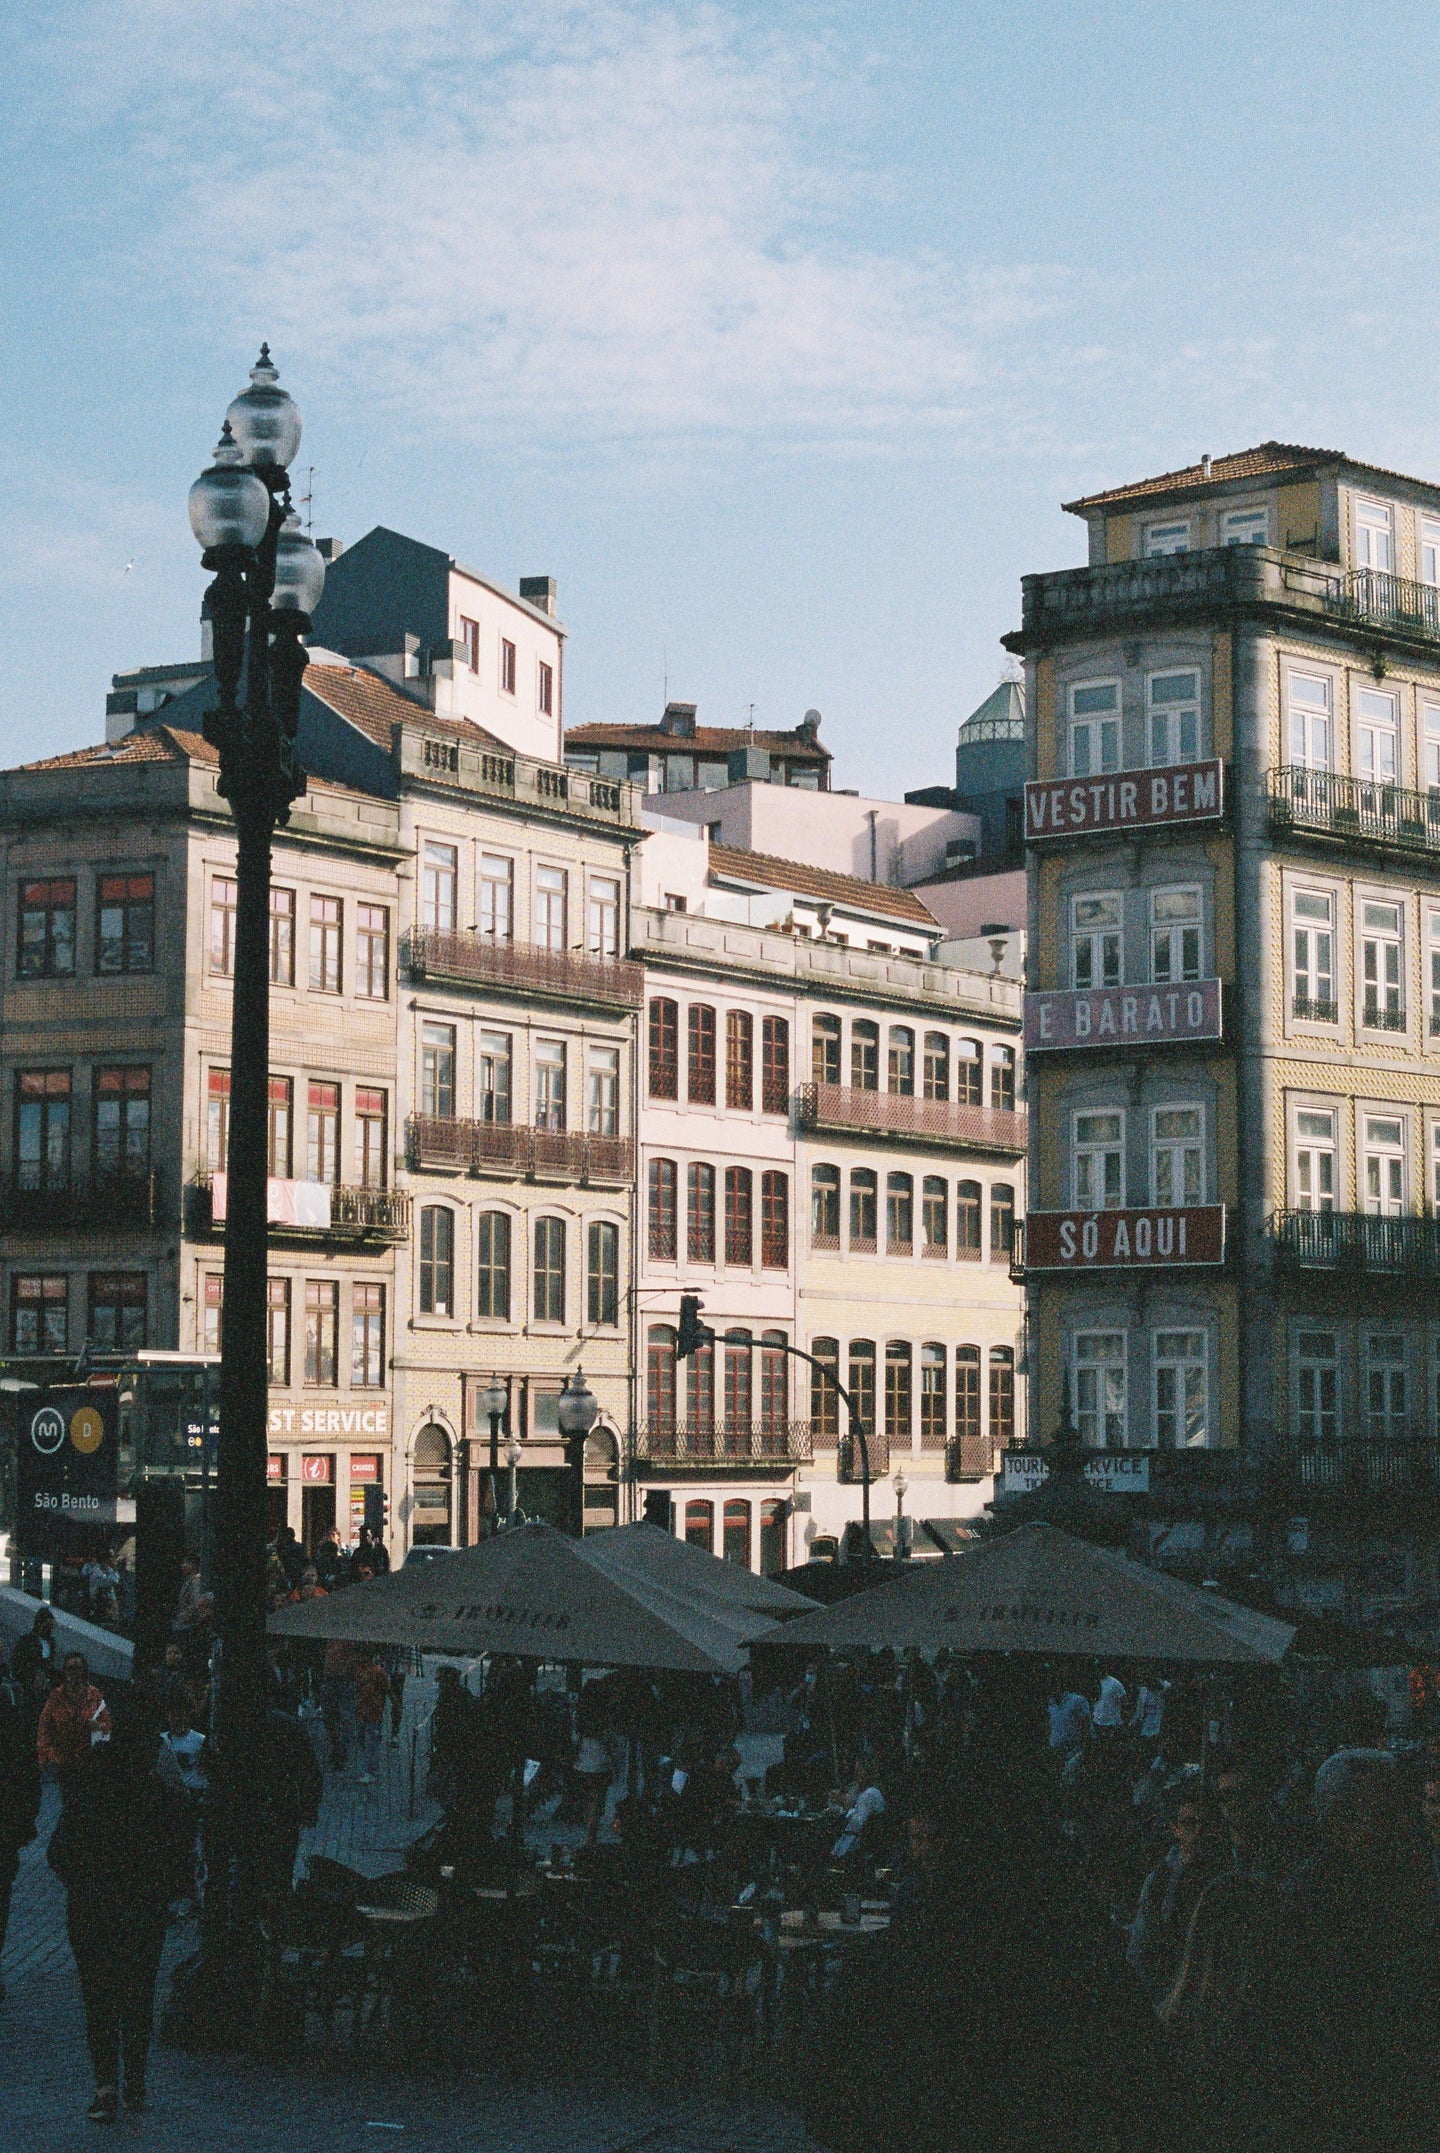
208, 2104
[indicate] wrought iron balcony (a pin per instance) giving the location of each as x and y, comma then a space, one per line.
726, 1446
508, 1147
561, 975
837, 1107
969, 1457
95, 1205
1371, 594
1353, 811
309, 1210
1352, 1241
1350, 1466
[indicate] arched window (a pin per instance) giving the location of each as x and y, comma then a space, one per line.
902, 1061
660, 1383
739, 1060
737, 1532
1002, 1079
937, 1065
602, 1274
700, 1399
967, 1222
932, 1398
700, 1077
773, 1535
825, 1207
437, 1260
549, 1270
432, 1515
935, 1216
825, 1050
969, 1459
664, 1049
774, 1394
863, 1200
700, 1525
898, 1398
824, 1398
1002, 1219
899, 1214
862, 1390
775, 1221
1002, 1398
738, 1406
864, 1055
775, 1066
700, 1212
739, 1216
969, 1073
662, 1183
492, 1266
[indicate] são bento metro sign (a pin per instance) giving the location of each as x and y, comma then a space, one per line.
68, 1459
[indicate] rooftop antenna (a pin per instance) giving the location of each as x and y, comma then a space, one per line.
750, 721
307, 502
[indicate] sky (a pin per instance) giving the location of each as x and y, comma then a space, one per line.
777, 333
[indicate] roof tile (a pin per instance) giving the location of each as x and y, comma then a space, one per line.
706, 739
373, 706
820, 882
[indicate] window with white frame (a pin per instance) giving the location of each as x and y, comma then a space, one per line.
1430, 746
603, 924
1429, 550
1174, 717
1433, 955
1182, 1391
602, 1091
497, 885
1099, 1162
1094, 728
1381, 969
437, 891
1312, 923
550, 895
1384, 1165
1374, 537
1170, 537
1174, 935
1245, 527
1314, 1159
1311, 732
493, 1077
1100, 1388
1095, 942
550, 1084
1317, 1389
1377, 736
1177, 1156
1387, 1391
1435, 1166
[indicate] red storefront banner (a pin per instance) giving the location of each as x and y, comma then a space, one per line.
1122, 1016
1126, 800
276, 1467
364, 1465
1123, 1240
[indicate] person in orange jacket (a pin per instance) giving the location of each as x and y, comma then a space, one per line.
74, 1718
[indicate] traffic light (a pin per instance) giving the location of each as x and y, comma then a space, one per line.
375, 1509
693, 1333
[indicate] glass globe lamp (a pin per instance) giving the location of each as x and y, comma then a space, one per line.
299, 570
229, 506
266, 419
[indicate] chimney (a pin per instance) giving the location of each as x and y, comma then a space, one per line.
539, 591
329, 549
1205, 467
809, 727
679, 721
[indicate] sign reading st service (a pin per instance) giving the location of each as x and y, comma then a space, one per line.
68, 1477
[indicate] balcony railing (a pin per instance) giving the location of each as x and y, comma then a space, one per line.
480, 1147
1372, 594
564, 975
1315, 1009
311, 1210
1353, 810
969, 1457
916, 1121
1347, 1466
1353, 1241
726, 1446
91, 1206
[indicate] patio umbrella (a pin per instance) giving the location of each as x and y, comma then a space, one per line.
1038, 1591
648, 1550
535, 1594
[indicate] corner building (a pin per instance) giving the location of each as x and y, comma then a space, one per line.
1233, 1033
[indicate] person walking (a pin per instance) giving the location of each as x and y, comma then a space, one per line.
75, 1717
35, 1663
372, 1694
293, 1785
120, 1851
1168, 1896
19, 1792
337, 1698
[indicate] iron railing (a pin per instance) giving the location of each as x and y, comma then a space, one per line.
1315, 1009
94, 1204
355, 1215
1365, 1466
919, 1121
560, 974
969, 1457
1322, 803
1354, 1241
728, 1444
1373, 594
479, 1147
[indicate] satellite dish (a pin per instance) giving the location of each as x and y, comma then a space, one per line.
812, 717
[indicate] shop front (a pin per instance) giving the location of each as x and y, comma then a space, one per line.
328, 1467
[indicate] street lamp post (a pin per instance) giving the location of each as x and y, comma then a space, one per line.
902, 1537
577, 1414
512, 1459
493, 1401
267, 582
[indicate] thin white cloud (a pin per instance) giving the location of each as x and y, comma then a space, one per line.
611, 221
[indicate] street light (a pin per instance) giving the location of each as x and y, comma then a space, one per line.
493, 1401
512, 1459
577, 1413
267, 582
902, 1536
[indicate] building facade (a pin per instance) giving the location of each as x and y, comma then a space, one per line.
1234, 1022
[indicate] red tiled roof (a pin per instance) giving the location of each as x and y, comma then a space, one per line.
1270, 460
823, 883
706, 739
157, 744
373, 706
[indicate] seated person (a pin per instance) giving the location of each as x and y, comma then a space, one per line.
864, 1808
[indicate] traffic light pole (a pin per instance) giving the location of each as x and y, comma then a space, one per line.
692, 1333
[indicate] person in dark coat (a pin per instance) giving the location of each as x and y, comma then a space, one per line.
1169, 1893
19, 1791
120, 1850
294, 1785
